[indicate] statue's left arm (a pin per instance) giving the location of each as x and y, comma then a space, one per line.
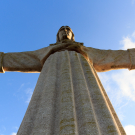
105, 60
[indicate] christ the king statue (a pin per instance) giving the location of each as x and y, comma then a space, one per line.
69, 98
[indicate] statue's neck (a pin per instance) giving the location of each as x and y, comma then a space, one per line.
65, 41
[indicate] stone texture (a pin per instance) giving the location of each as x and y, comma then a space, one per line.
1, 62
132, 58
69, 97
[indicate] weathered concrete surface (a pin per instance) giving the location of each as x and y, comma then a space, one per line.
69, 97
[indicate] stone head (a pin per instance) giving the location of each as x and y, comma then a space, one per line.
65, 32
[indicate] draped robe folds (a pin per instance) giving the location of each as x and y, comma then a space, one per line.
69, 98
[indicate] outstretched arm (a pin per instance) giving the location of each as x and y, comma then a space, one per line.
31, 61
21, 62
105, 60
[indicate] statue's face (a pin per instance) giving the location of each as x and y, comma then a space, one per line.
65, 33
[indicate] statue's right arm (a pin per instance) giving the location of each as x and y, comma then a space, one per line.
30, 61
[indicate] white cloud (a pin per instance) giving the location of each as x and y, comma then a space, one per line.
13, 133
114, 91
120, 87
127, 42
126, 82
130, 129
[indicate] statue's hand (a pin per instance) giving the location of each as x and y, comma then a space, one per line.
71, 46
78, 48
61, 47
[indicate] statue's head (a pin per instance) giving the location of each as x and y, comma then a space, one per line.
65, 32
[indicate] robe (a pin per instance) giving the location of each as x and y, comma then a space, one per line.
69, 98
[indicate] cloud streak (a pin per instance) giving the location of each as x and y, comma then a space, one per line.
29, 92
126, 83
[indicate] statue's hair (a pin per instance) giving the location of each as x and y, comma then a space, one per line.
57, 36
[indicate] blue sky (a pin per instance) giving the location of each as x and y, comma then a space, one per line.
31, 25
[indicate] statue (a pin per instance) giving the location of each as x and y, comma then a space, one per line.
69, 98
